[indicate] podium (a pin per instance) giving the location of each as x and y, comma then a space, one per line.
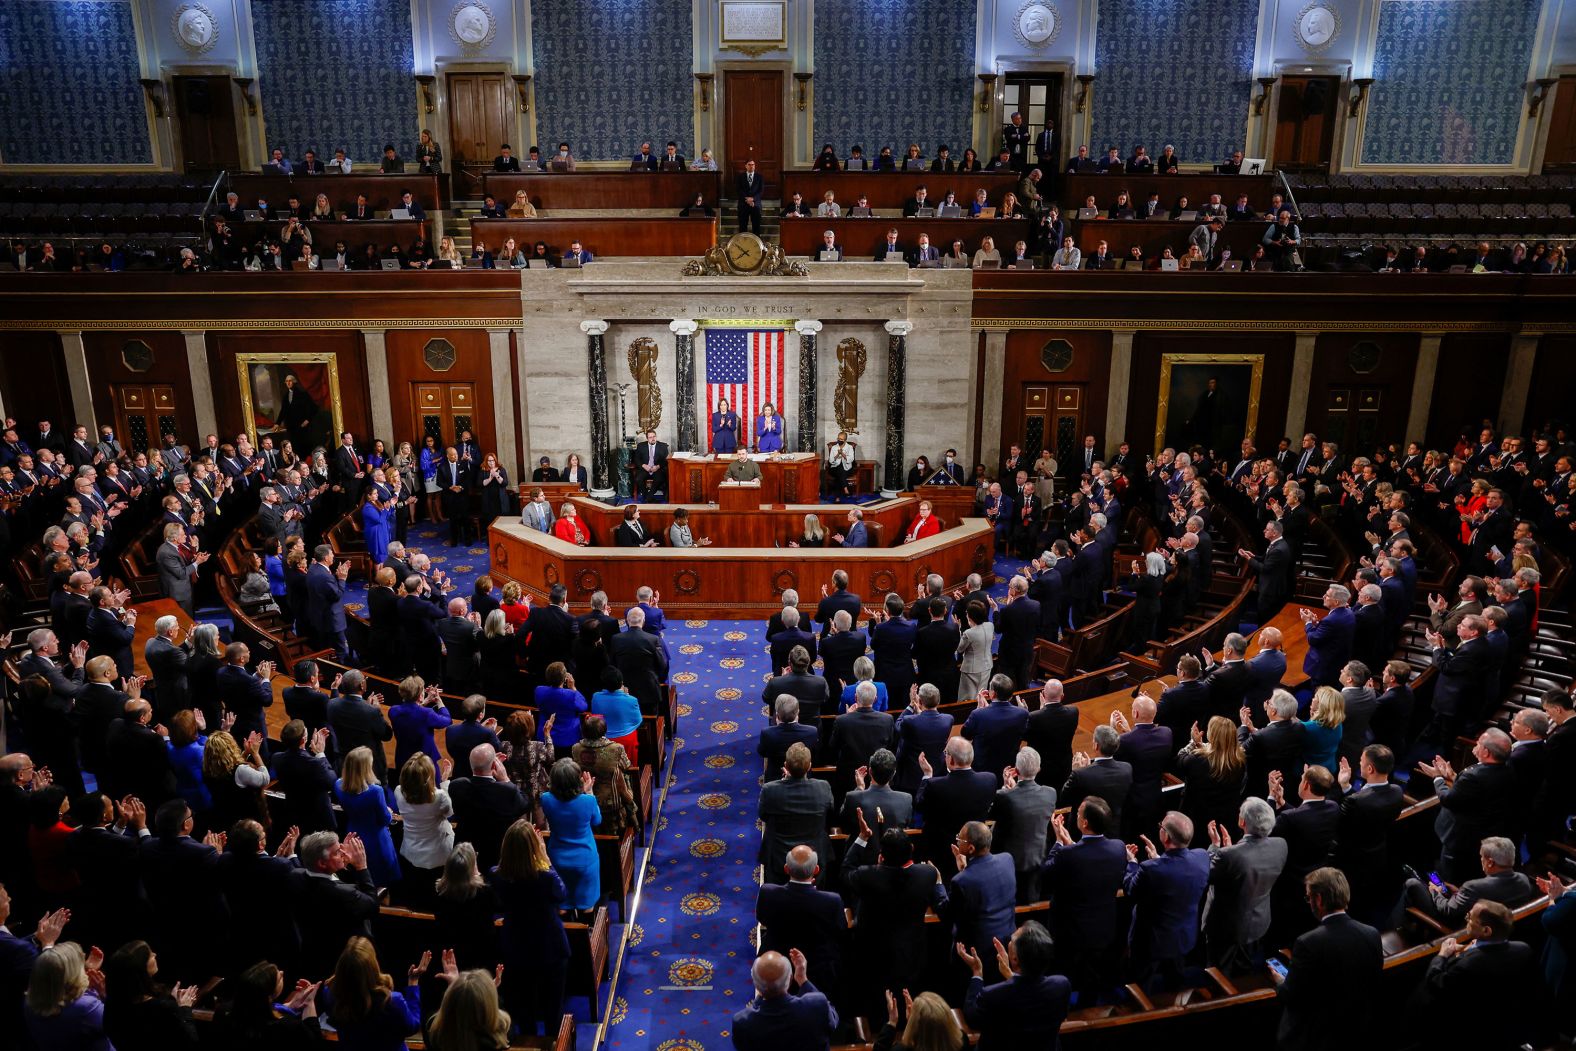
787, 478
739, 496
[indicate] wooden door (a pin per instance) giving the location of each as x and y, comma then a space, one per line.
481, 119
753, 115
443, 410
1048, 415
205, 114
1561, 149
1305, 122
144, 414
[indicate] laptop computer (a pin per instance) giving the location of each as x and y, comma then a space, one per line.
530, 167
932, 264
399, 213
1459, 268
860, 213
1023, 264
925, 212
1253, 165
1232, 265
829, 256
1170, 264
913, 164
672, 166
1088, 213
442, 264
572, 262
388, 264
252, 215
637, 166
988, 212
1088, 165
9, 268
949, 211
558, 165
329, 264
989, 264
1187, 216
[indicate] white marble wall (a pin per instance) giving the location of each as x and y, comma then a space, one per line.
850, 299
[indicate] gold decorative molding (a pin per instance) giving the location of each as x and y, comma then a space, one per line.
1247, 325
255, 324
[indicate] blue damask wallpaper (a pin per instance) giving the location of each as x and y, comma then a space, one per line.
68, 84
892, 72
611, 74
1448, 81
1173, 71
336, 73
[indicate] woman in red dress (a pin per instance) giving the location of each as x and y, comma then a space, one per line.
926, 524
568, 527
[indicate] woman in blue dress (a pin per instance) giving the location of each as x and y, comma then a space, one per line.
367, 814
376, 525
431, 454
724, 429
560, 703
571, 811
769, 430
535, 948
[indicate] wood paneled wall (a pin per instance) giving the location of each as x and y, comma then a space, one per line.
1553, 379
33, 376
1089, 370
1468, 386
408, 367
1356, 409
107, 371
1144, 391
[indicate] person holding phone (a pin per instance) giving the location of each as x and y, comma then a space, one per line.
1329, 991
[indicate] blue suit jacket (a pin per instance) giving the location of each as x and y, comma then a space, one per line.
1330, 646
920, 733
17, 956
856, 536
1021, 1013
1268, 668
981, 902
1004, 519
1081, 881
324, 600
996, 730
1167, 894
788, 1023
655, 623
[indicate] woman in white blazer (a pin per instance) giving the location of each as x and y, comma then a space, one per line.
974, 652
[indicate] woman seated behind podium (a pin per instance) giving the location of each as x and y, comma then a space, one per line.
510, 254
481, 257
920, 473
724, 429
568, 528
679, 534
632, 532
769, 430
987, 252
521, 207
827, 161
704, 163
812, 536
574, 471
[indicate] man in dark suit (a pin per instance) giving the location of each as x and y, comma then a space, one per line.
935, 650
552, 632
97, 707
651, 467
418, 613
179, 877
891, 901
358, 722
784, 732
1105, 776
471, 731
167, 664
639, 656
1230, 679
1017, 626
1473, 805
921, 730
980, 901
347, 468
245, 694
1309, 829
1167, 891
1186, 703
325, 601
486, 803
951, 800
1022, 813
303, 774
883, 807
892, 648
1499, 883
137, 757
1273, 570
49, 709
857, 734
1050, 731
840, 647
1082, 880
838, 597
749, 189
455, 479
1461, 677
798, 682
1027, 1007
996, 727
777, 1019
1360, 704
1333, 981
334, 898
110, 631
1241, 877
1371, 633
1555, 795
254, 882
1486, 967
1277, 746
1363, 836
461, 633
105, 851
1329, 637
1149, 749
306, 700
797, 915
795, 810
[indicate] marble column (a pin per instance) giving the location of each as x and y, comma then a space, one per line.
1518, 382
1116, 395
76, 358
991, 408
807, 386
375, 340
897, 368
685, 436
596, 356
1422, 386
502, 380
1301, 377
202, 384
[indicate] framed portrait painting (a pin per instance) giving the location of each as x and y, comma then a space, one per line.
1211, 400
294, 396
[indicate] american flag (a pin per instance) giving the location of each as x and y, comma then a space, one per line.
745, 366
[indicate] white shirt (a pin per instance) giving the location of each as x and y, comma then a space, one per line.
842, 455
429, 837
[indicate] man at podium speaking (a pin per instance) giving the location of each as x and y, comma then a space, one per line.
742, 469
